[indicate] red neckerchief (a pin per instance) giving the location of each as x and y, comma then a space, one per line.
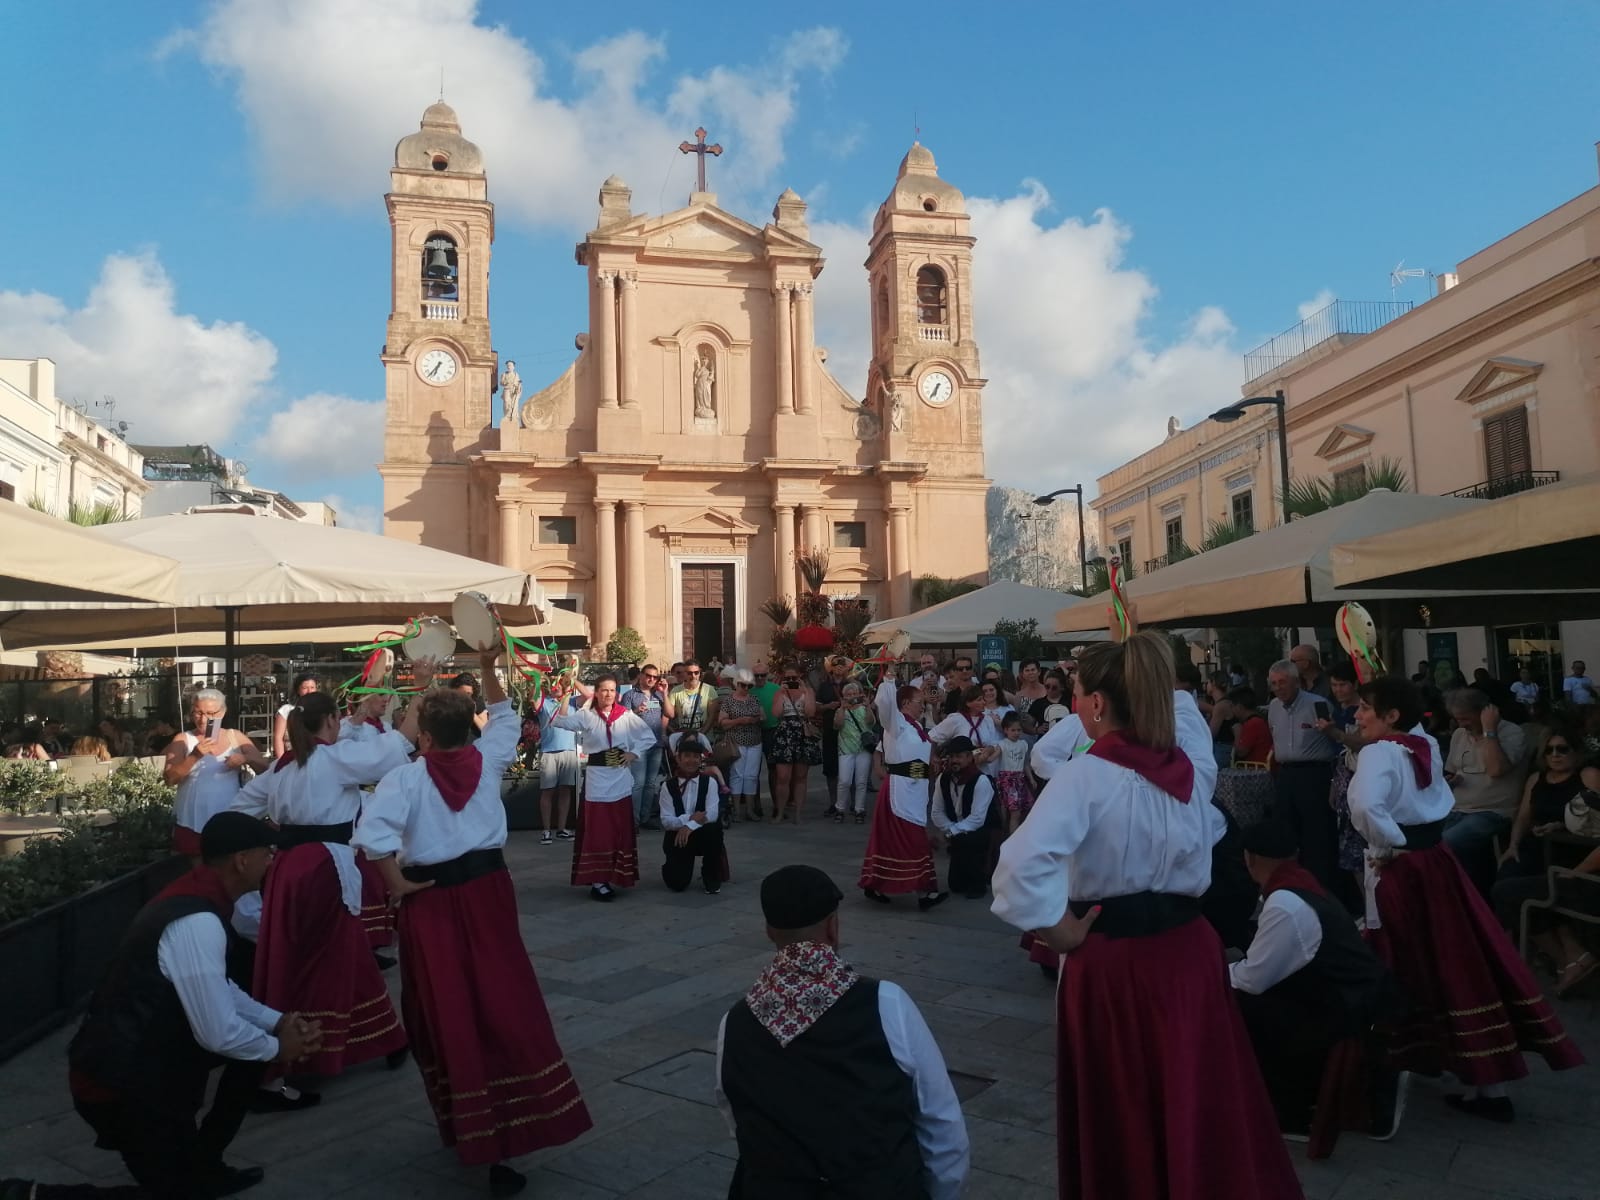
287, 756
977, 738
917, 725
455, 773
803, 982
376, 723
1292, 875
204, 882
1170, 770
1421, 758
611, 716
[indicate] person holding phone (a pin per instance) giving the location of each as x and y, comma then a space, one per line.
203, 765
1342, 727
795, 750
1304, 756
858, 738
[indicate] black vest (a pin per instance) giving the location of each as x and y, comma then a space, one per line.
675, 790
135, 1037
967, 789
828, 1116
1344, 974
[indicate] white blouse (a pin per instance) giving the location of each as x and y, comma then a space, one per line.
980, 732
1384, 796
208, 788
327, 790
1061, 742
1100, 830
901, 741
602, 785
408, 818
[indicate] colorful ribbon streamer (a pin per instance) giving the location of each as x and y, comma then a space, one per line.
1119, 600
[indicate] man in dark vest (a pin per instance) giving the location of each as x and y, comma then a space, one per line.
966, 817
689, 815
831, 1083
1307, 983
166, 1014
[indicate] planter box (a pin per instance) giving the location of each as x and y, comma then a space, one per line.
522, 803
51, 961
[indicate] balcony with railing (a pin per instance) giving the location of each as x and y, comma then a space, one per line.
1341, 317
441, 310
933, 333
1507, 485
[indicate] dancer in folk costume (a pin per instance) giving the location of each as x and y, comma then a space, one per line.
899, 852
1109, 869
606, 854
312, 953
1475, 1006
479, 1029
377, 913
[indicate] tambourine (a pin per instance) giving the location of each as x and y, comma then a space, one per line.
1358, 634
378, 671
1055, 713
897, 645
477, 624
434, 639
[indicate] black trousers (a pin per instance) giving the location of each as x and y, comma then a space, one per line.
1302, 803
164, 1150
969, 861
1291, 1041
704, 843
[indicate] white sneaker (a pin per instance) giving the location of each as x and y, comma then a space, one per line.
547, 838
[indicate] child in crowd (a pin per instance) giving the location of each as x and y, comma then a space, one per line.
1016, 797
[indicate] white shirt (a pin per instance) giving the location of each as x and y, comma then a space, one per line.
941, 1129
691, 803
192, 954
1288, 936
1579, 689
408, 818
327, 790
1295, 736
1526, 693
901, 741
980, 731
208, 788
982, 796
1013, 754
1063, 741
1099, 830
1383, 796
603, 785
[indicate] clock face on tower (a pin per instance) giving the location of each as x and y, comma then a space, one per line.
437, 366
936, 388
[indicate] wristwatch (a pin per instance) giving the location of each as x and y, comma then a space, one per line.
1492, 733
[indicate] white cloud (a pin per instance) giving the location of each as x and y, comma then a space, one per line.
175, 378
1317, 303
322, 436
1077, 383
349, 515
328, 87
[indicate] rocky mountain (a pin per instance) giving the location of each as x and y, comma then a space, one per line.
1035, 543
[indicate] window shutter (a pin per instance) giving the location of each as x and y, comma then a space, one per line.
1506, 448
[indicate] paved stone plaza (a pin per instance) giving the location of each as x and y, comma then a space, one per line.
636, 988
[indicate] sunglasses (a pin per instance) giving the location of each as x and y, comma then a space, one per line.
1557, 748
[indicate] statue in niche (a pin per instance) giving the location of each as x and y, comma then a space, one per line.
510, 391
897, 415
705, 379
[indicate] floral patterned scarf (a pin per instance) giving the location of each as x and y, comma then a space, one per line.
804, 981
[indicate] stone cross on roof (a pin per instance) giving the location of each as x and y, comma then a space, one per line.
700, 149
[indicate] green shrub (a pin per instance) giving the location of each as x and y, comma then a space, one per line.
626, 646
28, 787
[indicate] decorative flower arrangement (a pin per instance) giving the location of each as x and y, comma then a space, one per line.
813, 636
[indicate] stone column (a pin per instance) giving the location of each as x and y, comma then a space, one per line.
899, 561
605, 570
811, 527
783, 334
633, 608
784, 572
804, 355
509, 545
605, 337
628, 337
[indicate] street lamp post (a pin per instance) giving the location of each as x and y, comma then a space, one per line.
1234, 411
1050, 498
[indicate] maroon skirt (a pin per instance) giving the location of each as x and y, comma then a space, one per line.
481, 1034
899, 858
1475, 1006
607, 848
312, 958
1158, 1095
377, 917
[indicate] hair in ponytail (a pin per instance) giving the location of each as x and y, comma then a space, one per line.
309, 714
1137, 678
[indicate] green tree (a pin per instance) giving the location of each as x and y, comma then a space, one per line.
935, 589
626, 646
1022, 638
1223, 533
1306, 497
80, 512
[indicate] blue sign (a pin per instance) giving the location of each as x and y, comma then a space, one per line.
992, 652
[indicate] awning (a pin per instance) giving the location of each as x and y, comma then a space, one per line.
47, 559
960, 620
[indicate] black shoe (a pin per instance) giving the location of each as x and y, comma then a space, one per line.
547, 838
224, 1180
396, 1059
601, 891
931, 900
713, 889
503, 1181
565, 835
861, 818
278, 1101
874, 894
1491, 1108
384, 961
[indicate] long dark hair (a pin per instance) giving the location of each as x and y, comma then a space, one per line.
309, 714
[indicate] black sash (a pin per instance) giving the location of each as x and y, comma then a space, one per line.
1141, 914
610, 757
914, 769
1423, 837
474, 864
300, 835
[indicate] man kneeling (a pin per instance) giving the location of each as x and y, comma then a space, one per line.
689, 814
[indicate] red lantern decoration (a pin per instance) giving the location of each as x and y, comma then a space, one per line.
813, 638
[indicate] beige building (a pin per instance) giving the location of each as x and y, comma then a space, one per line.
1490, 387
53, 455
666, 479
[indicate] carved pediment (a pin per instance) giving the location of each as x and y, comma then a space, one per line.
1342, 439
562, 570
701, 230
1497, 375
851, 574
710, 525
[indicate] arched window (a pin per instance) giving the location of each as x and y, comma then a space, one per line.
439, 268
932, 300
883, 307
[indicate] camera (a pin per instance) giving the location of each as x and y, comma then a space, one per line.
791, 682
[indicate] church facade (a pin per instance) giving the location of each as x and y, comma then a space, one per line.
667, 478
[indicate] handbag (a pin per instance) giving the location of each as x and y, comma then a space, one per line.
869, 736
724, 752
1582, 817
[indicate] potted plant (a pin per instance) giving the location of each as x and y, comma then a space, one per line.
813, 637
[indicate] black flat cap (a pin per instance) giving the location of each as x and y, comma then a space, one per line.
232, 832
957, 745
1270, 839
798, 896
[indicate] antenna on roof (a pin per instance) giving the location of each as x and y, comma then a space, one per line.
1401, 273
441, 83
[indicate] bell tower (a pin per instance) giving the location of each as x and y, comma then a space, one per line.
440, 369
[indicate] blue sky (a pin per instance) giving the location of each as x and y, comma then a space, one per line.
196, 194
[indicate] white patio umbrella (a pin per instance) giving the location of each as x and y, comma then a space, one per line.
47, 559
959, 620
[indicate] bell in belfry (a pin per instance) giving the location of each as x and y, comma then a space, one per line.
439, 264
